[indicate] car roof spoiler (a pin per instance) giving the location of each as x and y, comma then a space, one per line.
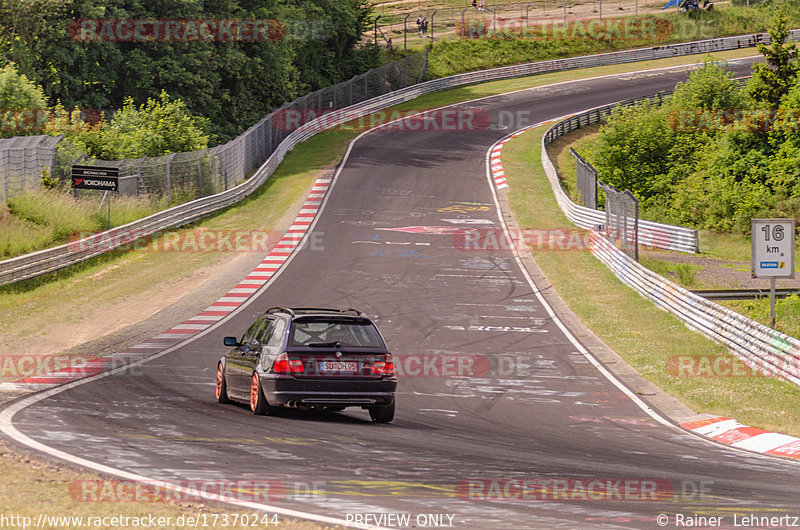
295, 310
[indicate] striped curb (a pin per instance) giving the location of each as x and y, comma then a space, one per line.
498, 175
723, 430
237, 296
496, 164
733, 433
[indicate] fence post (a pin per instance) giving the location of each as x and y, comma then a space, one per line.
405, 31
4, 167
169, 176
200, 173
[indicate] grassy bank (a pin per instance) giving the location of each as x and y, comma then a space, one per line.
726, 250
30, 489
542, 42
649, 339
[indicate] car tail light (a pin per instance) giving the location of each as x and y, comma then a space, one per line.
283, 365
384, 367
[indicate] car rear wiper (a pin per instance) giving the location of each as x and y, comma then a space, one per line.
335, 344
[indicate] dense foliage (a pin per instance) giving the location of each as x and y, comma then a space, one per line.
233, 83
714, 155
19, 97
488, 45
155, 128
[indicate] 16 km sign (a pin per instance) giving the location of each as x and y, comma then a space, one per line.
773, 248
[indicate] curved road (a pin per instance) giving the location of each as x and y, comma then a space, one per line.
534, 408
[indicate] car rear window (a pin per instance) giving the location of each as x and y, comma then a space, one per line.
327, 332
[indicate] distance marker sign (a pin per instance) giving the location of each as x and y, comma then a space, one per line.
773, 248
95, 178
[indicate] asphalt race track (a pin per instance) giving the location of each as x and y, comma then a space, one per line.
495, 393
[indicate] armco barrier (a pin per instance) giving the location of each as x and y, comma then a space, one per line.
37, 263
651, 234
761, 347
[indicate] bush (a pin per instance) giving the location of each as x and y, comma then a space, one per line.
156, 128
18, 97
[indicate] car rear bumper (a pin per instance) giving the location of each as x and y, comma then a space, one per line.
321, 393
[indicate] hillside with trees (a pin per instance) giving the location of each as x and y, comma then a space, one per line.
231, 82
716, 154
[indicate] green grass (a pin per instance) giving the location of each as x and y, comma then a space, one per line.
40, 219
29, 487
735, 248
463, 55
648, 338
684, 274
787, 312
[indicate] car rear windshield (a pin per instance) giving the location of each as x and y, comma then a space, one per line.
332, 332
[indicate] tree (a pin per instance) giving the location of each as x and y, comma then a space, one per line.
155, 128
773, 79
634, 150
709, 87
234, 83
20, 99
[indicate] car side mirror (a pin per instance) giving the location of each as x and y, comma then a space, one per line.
230, 341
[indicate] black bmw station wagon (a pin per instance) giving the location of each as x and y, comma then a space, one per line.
309, 358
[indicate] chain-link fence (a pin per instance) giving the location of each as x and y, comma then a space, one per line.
400, 29
209, 171
24, 161
622, 219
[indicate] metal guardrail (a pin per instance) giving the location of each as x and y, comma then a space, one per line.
651, 234
759, 346
742, 294
764, 349
49, 260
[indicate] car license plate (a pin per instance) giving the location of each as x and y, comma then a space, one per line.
338, 366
